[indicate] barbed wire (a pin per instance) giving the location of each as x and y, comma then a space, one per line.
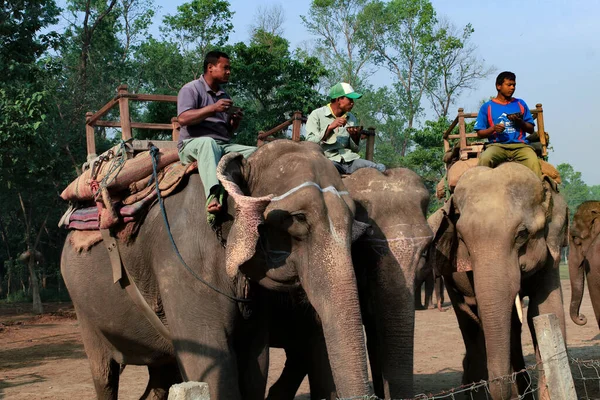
586, 375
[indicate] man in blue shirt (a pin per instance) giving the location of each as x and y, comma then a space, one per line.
505, 122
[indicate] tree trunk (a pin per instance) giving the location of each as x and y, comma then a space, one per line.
35, 287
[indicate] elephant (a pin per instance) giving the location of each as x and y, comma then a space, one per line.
385, 259
433, 282
584, 259
291, 228
497, 240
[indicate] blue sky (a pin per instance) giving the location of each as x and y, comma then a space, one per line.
553, 46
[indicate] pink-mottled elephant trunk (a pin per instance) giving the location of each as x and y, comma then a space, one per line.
334, 295
496, 286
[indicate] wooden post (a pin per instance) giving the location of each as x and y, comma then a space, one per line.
296, 126
370, 144
176, 128
89, 137
461, 129
541, 131
554, 358
124, 109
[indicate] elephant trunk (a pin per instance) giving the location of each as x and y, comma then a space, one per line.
577, 277
394, 316
334, 296
496, 287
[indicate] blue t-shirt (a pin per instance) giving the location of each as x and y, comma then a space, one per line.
492, 113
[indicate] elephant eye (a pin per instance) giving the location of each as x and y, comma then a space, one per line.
299, 217
522, 236
577, 240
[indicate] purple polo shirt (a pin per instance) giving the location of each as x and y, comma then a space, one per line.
195, 95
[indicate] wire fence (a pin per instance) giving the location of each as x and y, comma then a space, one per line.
586, 377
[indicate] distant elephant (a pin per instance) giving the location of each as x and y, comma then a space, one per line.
393, 203
584, 259
292, 226
500, 236
433, 282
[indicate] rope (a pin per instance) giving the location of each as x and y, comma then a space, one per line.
154, 153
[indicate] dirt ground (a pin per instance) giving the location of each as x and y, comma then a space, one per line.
43, 358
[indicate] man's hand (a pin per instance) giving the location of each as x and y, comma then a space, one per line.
341, 121
517, 118
498, 128
222, 105
236, 117
355, 133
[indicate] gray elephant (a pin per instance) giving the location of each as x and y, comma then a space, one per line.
213, 338
385, 259
499, 237
432, 281
584, 259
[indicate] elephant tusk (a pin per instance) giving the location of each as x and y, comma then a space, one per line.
519, 307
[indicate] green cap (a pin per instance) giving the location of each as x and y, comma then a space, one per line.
343, 89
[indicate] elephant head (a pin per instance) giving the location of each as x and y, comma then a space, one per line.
507, 227
297, 231
584, 259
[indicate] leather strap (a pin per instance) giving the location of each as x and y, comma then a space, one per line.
129, 285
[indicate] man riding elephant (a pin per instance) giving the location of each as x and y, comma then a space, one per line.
334, 127
505, 121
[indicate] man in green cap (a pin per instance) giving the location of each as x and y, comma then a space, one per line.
334, 127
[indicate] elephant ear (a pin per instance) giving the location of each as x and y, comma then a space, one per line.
443, 248
243, 236
557, 222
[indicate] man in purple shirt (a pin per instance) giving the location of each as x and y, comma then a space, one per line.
208, 118
505, 121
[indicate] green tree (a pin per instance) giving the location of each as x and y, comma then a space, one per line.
403, 32
573, 188
197, 27
270, 83
337, 26
457, 67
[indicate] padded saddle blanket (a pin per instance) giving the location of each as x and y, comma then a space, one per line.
127, 197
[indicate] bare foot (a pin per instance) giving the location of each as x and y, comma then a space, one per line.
213, 207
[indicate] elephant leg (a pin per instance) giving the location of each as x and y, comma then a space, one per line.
161, 378
105, 370
429, 281
523, 380
373, 350
320, 376
439, 292
545, 297
418, 294
253, 362
475, 361
291, 377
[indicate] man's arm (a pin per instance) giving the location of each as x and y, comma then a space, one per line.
482, 126
524, 121
194, 116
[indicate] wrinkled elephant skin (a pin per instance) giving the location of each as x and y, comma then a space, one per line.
292, 226
385, 259
584, 259
508, 227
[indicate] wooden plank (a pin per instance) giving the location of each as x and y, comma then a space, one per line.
138, 125
451, 127
99, 114
90, 137
279, 127
176, 128
541, 128
554, 357
296, 125
124, 109
467, 135
151, 97
370, 150
461, 129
